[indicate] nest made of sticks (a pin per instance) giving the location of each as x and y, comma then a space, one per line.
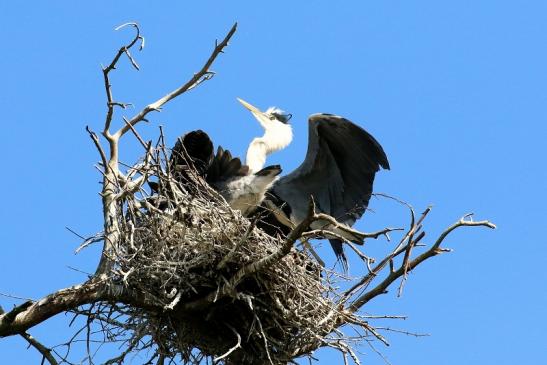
183, 258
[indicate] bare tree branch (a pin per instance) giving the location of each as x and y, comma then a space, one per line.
411, 244
384, 232
235, 347
106, 71
46, 352
365, 281
97, 143
199, 77
110, 196
29, 314
432, 251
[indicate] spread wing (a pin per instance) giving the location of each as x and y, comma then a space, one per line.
339, 169
197, 148
194, 147
224, 166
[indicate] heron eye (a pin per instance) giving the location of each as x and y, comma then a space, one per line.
272, 116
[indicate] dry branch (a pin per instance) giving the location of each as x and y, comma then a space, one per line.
29, 314
407, 265
197, 79
46, 352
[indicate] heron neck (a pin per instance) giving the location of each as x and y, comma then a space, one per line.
274, 139
256, 155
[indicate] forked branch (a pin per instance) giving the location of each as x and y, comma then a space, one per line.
434, 250
106, 71
46, 352
198, 78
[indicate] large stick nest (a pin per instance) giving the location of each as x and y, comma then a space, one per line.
181, 259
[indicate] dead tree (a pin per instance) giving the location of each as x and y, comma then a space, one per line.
199, 283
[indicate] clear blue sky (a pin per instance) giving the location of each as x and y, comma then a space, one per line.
456, 92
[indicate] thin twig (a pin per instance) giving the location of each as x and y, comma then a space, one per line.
95, 140
106, 71
433, 251
235, 347
46, 352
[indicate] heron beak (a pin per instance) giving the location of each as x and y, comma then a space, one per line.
260, 116
253, 109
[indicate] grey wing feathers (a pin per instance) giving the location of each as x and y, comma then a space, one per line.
197, 147
224, 167
339, 168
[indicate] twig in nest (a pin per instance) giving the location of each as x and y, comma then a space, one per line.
242, 240
260, 264
237, 345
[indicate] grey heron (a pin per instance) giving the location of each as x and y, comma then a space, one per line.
338, 171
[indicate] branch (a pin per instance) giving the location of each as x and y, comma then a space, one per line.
384, 232
124, 49
46, 352
95, 140
29, 314
199, 77
235, 347
111, 168
461, 223
411, 244
25, 316
365, 281
434, 250
137, 135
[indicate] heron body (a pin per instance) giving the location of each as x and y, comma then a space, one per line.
196, 148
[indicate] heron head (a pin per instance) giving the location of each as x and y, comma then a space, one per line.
270, 117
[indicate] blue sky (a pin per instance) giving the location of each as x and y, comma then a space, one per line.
454, 91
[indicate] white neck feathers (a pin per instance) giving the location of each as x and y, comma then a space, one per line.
276, 137
256, 155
